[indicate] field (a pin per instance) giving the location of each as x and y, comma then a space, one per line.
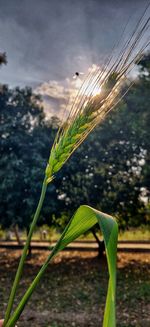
73, 290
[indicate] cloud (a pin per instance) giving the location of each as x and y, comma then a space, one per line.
49, 40
59, 96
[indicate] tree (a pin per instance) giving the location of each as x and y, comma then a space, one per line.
111, 169
24, 149
3, 58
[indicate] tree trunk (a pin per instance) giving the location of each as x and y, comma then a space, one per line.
101, 245
16, 232
30, 247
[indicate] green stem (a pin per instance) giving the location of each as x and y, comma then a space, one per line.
27, 295
20, 307
24, 254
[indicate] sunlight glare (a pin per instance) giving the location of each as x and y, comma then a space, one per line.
89, 89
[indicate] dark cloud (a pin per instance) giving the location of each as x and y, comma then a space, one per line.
50, 39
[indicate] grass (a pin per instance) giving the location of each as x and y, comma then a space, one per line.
133, 234
137, 234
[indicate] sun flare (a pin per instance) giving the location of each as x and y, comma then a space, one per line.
89, 88
96, 91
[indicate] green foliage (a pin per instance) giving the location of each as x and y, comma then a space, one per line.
110, 170
3, 58
1, 233
24, 146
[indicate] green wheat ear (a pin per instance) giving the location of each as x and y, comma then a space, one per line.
88, 110
78, 128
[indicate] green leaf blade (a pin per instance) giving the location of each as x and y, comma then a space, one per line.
83, 220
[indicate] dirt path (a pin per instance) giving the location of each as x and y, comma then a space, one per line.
124, 246
73, 290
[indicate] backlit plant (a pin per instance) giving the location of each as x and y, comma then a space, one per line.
88, 110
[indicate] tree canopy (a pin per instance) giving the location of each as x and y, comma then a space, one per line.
109, 171
3, 58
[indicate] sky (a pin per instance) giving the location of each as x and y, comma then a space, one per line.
47, 41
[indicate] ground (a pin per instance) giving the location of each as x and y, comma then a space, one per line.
73, 291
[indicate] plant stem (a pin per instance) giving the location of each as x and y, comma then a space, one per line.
24, 254
20, 307
13, 319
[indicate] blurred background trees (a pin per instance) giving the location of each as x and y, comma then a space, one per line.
109, 171
3, 58
111, 168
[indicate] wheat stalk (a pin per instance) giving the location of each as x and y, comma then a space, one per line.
88, 110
